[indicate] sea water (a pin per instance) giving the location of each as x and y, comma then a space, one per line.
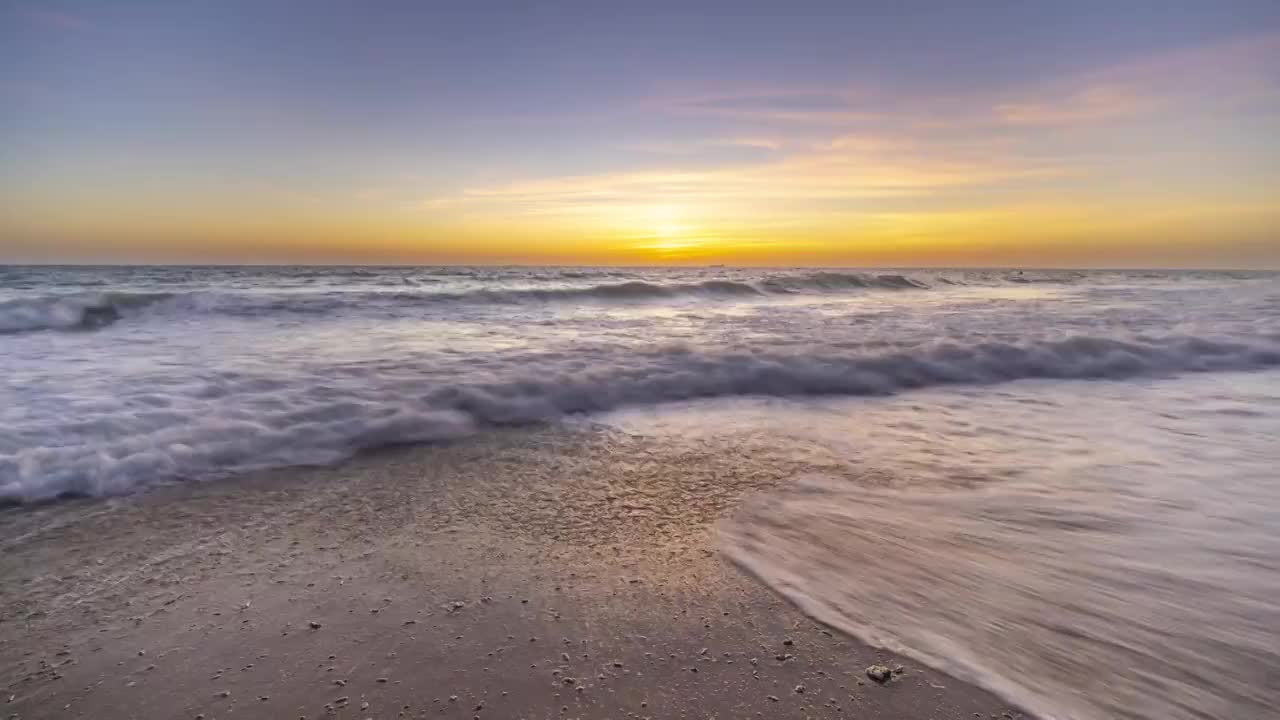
1064, 486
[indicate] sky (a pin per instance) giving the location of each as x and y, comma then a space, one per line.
986, 133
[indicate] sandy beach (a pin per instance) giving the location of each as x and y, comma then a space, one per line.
551, 573
670, 361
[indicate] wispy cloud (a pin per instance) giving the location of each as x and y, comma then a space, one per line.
764, 143
57, 20
1239, 69
702, 145
846, 169
770, 104
1240, 66
1086, 106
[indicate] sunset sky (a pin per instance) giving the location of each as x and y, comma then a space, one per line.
847, 133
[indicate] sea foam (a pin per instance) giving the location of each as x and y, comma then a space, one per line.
92, 310
244, 421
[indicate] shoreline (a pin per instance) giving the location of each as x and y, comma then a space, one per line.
545, 573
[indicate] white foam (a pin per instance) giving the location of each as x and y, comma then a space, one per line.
242, 421
91, 310
1076, 600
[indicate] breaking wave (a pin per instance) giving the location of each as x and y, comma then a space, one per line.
71, 312
236, 422
88, 311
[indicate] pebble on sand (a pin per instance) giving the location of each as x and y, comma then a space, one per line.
879, 673
314, 625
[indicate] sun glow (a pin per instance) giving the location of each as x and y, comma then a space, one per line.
663, 229
669, 230
665, 221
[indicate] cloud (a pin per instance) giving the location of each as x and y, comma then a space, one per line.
831, 150
763, 143
703, 145
846, 169
1085, 106
57, 20
766, 104
1243, 65
1237, 69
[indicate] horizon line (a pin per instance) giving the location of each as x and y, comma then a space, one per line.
655, 266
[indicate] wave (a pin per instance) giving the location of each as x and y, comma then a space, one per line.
642, 290
834, 281
237, 423
1032, 589
629, 290
85, 311
88, 311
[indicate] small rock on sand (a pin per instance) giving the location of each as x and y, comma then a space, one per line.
879, 673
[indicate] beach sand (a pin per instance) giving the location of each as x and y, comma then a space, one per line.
560, 572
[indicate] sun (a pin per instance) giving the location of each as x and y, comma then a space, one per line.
666, 221
662, 229
669, 230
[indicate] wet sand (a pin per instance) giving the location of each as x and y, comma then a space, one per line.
554, 573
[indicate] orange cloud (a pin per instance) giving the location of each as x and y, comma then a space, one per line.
845, 169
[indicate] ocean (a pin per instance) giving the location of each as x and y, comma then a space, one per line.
1062, 486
